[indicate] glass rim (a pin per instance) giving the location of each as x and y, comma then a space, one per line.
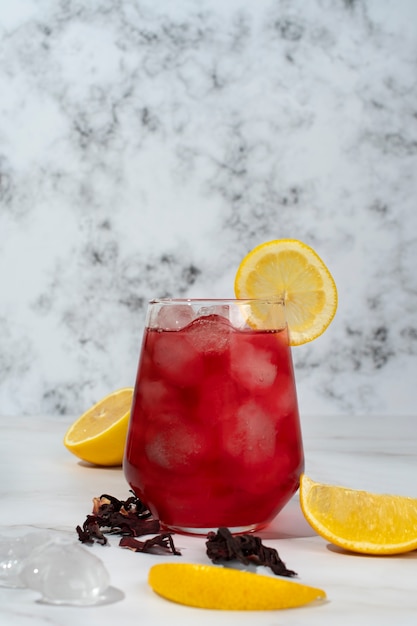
276, 300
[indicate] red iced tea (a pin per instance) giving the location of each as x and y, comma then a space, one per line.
214, 436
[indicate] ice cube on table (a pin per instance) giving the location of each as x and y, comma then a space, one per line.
66, 573
59, 568
14, 550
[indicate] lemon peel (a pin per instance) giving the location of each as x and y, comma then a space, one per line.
212, 587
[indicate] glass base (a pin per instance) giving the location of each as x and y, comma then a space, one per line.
235, 530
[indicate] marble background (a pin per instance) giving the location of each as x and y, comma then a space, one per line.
146, 146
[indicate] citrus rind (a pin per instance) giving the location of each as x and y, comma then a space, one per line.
213, 587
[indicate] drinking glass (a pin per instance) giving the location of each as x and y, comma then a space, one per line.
214, 435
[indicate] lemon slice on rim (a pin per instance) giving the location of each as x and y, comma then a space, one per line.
213, 587
99, 435
291, 270
360, 521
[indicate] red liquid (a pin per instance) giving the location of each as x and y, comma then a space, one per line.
214, 437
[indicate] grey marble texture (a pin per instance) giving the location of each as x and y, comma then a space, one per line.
147, 146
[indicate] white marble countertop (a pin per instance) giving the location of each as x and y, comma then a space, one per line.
44, 486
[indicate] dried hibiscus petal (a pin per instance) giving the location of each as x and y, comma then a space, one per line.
247, 549
113, 516
163, 541
90, 531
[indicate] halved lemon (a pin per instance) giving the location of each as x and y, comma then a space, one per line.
213, 587
289, 269
360, 521
99, 435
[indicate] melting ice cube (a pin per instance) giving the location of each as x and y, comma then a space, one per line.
14, 550
59, 568
66, 573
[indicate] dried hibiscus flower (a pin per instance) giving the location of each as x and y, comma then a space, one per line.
247, 549
130, 518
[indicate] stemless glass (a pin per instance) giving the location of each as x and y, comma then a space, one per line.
214, 436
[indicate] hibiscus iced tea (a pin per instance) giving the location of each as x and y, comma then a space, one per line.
214, 436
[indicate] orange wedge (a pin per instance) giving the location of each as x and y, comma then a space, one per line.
99, 435
211, 587
360, 521
290, 270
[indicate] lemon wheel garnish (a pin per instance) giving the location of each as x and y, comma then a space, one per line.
290, 270
360, 521
212, 587
99, 435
